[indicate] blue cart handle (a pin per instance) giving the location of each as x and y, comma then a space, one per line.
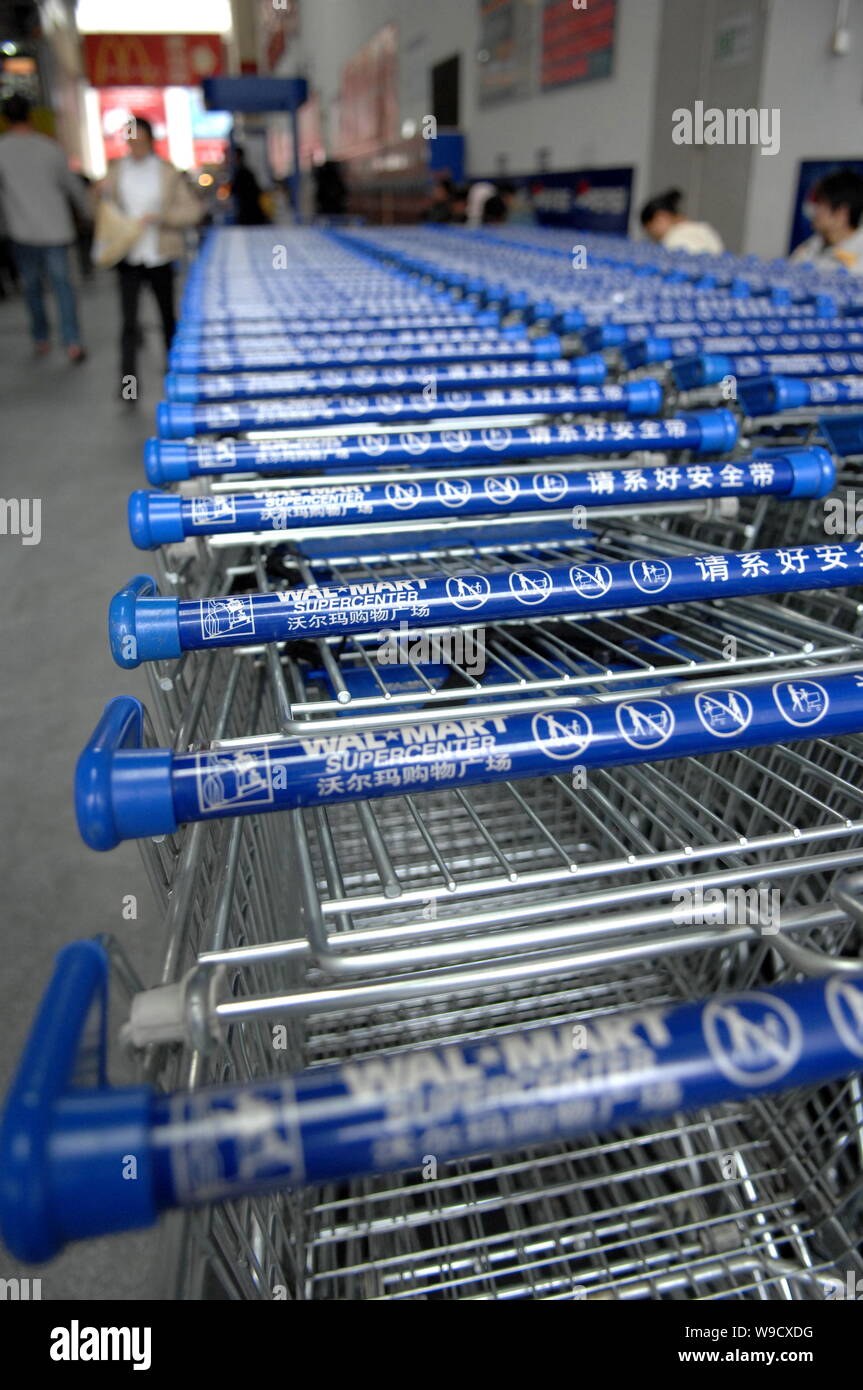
83, 1163
135, 793
163, 628
50, 1191
160, 518
704, 432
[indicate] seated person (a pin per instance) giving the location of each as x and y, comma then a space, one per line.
837, 204
663, 221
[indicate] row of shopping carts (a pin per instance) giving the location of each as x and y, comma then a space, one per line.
499, 784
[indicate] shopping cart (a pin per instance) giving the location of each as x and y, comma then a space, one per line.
490, 869
753, 1196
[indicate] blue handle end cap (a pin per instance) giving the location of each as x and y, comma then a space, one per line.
644, 397
181, 388
719, 430
155, 518
790, 393
166, 461
153, 462
548, 346
122, 791
591, 370
141, 627
814, 472
175, 419
570, 321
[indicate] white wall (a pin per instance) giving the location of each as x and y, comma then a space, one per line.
715, 179
820, 99
598, 123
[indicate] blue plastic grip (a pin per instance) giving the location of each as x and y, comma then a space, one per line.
707, 369
62, 1152
155, 518
165, 461
301, 613
814, 471
364, 1116
183, 359
135, 628
122, 790
705, 432
331, 769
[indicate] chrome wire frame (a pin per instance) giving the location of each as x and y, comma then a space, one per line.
454, 913
539, 660
757, 1200
311, 936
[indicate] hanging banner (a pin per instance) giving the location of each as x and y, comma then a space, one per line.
505, 69
278, 26
588, 200
368, 106
152, 60
577, 41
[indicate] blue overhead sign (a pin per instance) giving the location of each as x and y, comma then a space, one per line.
255, 93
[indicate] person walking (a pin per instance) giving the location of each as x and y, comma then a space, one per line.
246, 193
149, 189
38, 191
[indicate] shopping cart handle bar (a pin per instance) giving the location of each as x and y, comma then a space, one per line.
69, 1154
246, 401
147, 629
292, 383
159, 518
663, 349
150, 792
704, 432
182, 360
708, 369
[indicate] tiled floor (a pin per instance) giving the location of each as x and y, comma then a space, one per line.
65, 440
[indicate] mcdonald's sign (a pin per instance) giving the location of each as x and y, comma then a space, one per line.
152, 60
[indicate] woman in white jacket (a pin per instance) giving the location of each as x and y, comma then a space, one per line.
663, 221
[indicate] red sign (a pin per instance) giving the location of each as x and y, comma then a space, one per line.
117, 106
152, 60
577, 44
210, 152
